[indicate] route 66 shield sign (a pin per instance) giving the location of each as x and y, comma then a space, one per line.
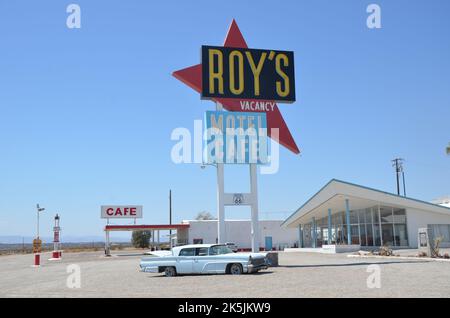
238, 198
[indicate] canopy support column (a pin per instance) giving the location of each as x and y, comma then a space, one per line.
347, 214
314, 233
329, 227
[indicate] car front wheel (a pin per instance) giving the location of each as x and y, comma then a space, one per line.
236, 269
170, 272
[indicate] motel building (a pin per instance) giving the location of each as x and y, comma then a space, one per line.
345, 217
271, 235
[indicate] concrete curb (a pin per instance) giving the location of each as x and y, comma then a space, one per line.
401, 257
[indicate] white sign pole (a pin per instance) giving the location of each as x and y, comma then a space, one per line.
254, 206
224, 199
107, 248
221, 236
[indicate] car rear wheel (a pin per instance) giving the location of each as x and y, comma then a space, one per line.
236, 269
170, 272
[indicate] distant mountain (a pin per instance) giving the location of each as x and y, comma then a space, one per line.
16, 239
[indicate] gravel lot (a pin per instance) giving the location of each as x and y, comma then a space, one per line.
299, 275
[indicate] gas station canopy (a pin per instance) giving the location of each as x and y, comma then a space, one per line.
146, 227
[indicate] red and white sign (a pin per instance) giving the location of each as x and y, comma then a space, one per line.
121, 211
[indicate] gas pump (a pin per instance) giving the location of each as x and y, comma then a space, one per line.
56, 254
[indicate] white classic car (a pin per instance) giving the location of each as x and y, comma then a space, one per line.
203, 259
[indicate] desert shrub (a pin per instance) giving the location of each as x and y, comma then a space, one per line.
385, 251
422, 254
141, 239
436, 246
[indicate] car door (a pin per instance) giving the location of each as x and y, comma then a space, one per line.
185, 261
201, 262
218, 257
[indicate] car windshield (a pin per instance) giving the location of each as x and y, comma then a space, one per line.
219, 250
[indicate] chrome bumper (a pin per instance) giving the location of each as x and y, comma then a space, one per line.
254, 268
148, 269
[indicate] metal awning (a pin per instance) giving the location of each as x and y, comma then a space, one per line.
146, 227
334, 193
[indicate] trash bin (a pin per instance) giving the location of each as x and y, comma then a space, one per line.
272, 258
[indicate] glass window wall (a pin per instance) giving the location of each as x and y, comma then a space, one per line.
374, 226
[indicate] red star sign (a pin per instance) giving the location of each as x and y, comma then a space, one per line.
192, 77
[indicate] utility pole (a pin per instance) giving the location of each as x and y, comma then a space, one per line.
170, 217
398, 164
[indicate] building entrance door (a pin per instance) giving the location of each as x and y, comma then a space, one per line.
268, 243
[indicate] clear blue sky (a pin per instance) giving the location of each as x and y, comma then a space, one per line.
86, 115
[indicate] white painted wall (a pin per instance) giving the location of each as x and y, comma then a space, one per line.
238, 232
420, 218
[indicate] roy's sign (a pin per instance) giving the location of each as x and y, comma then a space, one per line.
276, 126
243, 73
121, 211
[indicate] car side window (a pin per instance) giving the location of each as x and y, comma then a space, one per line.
214, 250
187, 252
219, 250
201, 251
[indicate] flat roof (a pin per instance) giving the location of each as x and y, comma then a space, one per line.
333, 194
229, 220
146, 227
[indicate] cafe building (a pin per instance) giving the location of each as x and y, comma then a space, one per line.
343, 217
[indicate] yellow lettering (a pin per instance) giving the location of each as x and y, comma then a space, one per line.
240, 57
215, 75
256, 69
280, 91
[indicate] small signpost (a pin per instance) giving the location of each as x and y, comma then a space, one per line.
248, 83
424, 241
37, 246
37, 249
37, 242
